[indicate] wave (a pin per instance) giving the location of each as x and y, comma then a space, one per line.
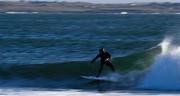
164, 73
129, 70
156, 68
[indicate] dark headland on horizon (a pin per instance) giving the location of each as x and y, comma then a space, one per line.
53, 7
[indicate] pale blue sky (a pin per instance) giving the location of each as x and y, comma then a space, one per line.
106, 1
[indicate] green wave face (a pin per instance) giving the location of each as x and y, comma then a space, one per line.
67, 75
137, 61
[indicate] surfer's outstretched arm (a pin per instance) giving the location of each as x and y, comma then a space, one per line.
95, 58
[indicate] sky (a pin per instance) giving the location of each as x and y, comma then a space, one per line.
106, 1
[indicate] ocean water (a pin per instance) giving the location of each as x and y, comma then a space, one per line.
50, 53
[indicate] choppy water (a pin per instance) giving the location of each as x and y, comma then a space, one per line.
54, 50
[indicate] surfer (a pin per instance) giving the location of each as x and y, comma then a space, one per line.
105, 59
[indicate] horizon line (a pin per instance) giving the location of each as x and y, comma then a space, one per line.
89, 2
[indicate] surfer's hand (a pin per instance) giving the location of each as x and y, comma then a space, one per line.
107, 59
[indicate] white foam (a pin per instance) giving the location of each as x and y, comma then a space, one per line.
156, 13
123, 13
164, 73
11, 12
22, 92
114, 77
177, 13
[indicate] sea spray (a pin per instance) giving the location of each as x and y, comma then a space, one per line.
164, 73
123, 79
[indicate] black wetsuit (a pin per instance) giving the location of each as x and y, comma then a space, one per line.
105, 57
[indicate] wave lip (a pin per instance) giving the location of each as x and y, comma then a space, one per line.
164, 73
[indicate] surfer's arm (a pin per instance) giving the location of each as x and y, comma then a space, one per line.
95, 58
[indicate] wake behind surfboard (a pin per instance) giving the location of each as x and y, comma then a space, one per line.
93, 78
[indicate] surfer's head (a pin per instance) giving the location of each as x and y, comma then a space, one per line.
102, 50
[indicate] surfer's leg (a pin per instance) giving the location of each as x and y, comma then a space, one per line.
110, 65
100, 70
